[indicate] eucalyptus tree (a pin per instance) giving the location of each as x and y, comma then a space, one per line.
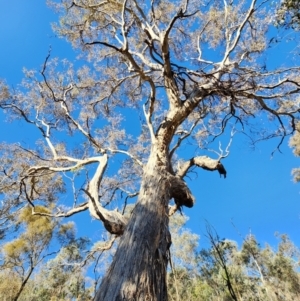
152, 77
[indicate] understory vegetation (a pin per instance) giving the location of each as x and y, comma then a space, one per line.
223, 271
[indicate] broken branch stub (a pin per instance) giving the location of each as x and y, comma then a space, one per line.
181, 193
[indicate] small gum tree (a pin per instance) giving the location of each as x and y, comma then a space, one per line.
178, 69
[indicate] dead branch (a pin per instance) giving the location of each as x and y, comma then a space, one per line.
204, 162
77, 209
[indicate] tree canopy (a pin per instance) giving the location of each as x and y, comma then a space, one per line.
152, 78
288, 14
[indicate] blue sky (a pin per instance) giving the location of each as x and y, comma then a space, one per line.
258, 195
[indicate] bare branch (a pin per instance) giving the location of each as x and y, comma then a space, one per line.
113, 221
279, 84
221, 154
74, 3
117, 85
214, 240
104, 44
80, 163
184, 136
230, 46
149, 123
199, 46
134, 158
106, 246
276, 113
165, 44
79, 208
124, 30
204, 162
154, 67
140, 10
44, 76
47, 138
78, 126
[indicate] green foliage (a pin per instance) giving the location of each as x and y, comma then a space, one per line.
288, 14
36, 225
62, 278
183, 256
255, 272
184, 243
30, 244
9, 284
22, 255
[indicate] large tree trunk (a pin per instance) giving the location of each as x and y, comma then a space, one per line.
138, 270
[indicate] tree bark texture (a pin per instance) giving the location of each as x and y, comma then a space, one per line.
138, 270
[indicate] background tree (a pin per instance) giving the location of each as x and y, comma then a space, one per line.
21, 256
184, 69
226, 271
288, 14
250, 272
63, 277
183, 260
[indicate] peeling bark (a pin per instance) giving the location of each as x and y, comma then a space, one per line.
139, 268
140, 262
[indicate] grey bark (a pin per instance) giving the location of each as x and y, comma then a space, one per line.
139, 267
141, 259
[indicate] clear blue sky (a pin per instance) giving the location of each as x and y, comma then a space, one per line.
258, 195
